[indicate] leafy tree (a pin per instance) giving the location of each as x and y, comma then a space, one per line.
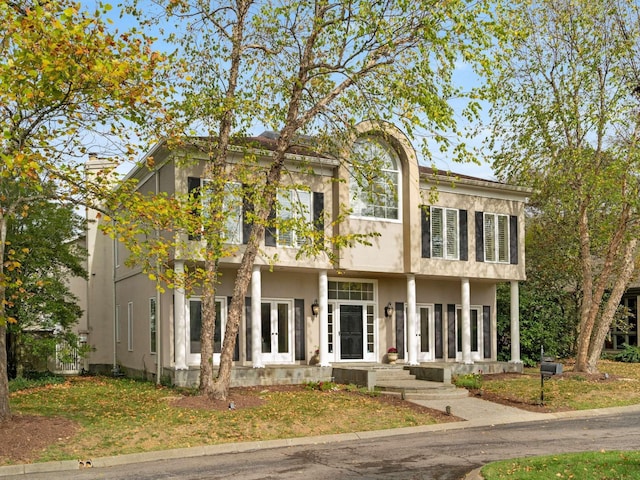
38, 295
566, 121
64, 80
310, 67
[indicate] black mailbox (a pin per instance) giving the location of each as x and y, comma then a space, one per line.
550, 368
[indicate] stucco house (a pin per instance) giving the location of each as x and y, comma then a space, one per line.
426, 285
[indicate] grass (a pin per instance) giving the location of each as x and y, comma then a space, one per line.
574, 391
120, 416
575, 466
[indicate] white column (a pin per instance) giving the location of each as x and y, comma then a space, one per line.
256, 316
180, 319
323, 317
466, 321
515, 322
412, 321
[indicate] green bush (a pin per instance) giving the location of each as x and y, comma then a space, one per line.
630, 354
471, 381
34, 381
322, 386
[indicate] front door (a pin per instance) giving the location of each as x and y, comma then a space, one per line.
351, 332
276, 332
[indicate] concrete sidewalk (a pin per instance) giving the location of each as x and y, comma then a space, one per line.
475, 411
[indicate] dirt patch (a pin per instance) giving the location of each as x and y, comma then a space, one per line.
25, 436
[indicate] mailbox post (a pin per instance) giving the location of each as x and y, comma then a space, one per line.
547, 370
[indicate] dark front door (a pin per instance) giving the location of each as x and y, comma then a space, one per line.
351, 332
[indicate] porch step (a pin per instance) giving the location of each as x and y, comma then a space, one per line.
384, 374
420, 390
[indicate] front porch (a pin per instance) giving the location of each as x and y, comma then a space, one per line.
362, 374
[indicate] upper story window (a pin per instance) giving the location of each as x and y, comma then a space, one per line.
294, 210
445, 240
496, 238
375, 189
231, 207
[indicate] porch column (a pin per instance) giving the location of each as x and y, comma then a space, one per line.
515, 322
323, 317
180, 320
256, 316
412, 321
466, 321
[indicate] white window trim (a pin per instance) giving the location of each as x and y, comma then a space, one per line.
496, 237
355, 192
154, 316
446, 255
130, 326
117, 321
233, 226
300, 210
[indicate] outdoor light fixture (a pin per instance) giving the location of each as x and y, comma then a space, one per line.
315, 308
388, 310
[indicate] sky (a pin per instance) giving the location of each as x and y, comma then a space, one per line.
463, 76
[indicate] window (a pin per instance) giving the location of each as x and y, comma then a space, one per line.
496, 238
231, 206
130, 326
351, 291
195, 326
294, 206
117, 326
152, 324
444, 233
375, 185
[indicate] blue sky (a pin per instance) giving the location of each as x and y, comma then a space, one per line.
464, 77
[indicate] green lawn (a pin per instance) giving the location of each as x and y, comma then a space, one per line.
575, 466
119, 416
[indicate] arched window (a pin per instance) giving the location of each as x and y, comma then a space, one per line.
375, 179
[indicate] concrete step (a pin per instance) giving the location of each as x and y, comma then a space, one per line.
443, 393
387, 374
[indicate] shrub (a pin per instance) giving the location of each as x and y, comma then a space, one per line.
630, 354
471, 381
34, 381
322, 386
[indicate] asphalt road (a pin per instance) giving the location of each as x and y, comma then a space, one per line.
442, 455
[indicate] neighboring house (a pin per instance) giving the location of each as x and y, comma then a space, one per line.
625, 333
426, 285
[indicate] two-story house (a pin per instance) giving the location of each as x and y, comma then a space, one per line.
426, 285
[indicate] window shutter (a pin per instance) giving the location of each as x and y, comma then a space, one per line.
299, 340
438, 330
426, 232
479, 237
486, 331
513, 239
437, 233
452, 233
318, 213
400, 329
247, 315
451, 331
464, 235
490, 238
193, 186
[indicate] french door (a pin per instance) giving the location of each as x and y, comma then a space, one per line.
277, 331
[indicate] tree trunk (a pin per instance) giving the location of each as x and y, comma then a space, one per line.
5, 412
585, 326
603, 327
208, 328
